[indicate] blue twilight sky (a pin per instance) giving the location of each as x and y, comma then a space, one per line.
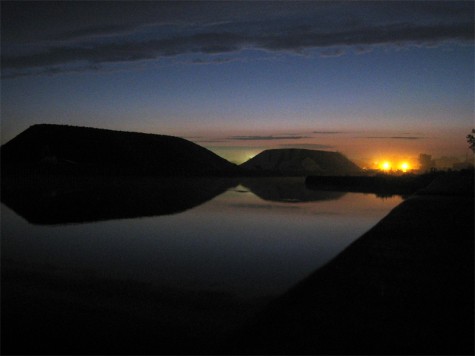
373, 80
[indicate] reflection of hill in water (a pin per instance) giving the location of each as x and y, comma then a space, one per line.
287, 190
63, 200
58, 200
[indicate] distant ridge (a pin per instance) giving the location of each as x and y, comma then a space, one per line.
84, 150
293, 161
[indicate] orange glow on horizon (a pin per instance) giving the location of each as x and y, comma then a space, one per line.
387, 166
404, 167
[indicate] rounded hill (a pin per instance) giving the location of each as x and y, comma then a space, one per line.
63, 149
293, 161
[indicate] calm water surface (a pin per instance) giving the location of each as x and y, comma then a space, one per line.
238, 242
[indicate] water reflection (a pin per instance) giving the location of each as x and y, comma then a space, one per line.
63, 200
291, 189
236, 242
184, 277
249, 249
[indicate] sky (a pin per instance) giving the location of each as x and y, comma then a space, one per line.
373, 80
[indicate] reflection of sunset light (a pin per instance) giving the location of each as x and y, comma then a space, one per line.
404, 167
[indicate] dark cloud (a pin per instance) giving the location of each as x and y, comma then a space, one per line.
209, 43
332, 52
45, 34
33, 21
265, 138
55, 70
213, 61
97, 31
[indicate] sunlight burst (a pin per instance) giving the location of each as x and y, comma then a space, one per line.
386, 166
404, 167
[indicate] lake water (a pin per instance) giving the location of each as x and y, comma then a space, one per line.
251, 238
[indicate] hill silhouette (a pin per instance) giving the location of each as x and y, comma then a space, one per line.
293, 161
83, 150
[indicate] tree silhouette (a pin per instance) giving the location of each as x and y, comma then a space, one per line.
471, 140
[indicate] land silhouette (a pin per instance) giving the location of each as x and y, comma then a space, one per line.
293, 161
61, 149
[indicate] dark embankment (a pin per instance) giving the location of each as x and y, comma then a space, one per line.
74, 150
299, 162
404, 287
42, 199
382, 185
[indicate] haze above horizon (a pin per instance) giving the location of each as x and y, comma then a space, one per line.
373, 80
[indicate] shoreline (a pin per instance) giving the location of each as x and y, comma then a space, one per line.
404, 287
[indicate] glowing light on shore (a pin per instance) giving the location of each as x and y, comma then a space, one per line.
385, 166
404, 167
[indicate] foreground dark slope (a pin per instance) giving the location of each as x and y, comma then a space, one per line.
294, 161
404, 287
82, 150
